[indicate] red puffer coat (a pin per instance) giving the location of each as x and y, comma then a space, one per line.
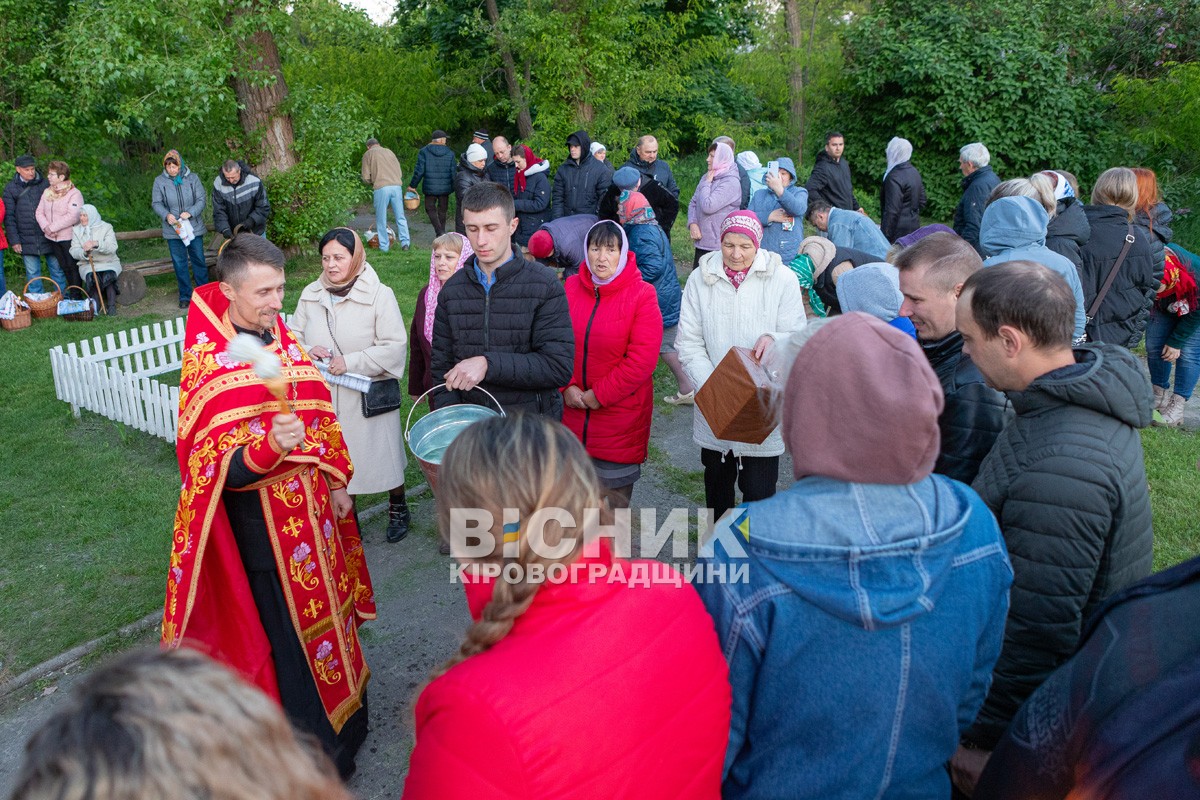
602, 689
618, 333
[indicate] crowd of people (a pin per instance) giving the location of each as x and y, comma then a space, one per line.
964, 550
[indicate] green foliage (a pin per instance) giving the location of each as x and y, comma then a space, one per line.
943, 75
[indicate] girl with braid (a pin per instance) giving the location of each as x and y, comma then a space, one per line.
582, 674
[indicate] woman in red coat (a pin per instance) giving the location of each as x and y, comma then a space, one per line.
578, 678
618, 333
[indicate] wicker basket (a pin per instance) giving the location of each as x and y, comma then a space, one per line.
43, 309
21, 320
87, 315
412, 200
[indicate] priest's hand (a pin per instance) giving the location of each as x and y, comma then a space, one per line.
467, 374
288, 431
343, 504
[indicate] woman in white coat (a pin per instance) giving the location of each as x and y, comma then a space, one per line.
739, 296
94, 247
350, 320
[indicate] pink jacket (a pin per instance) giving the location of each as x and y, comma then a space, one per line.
604, 688
58, 217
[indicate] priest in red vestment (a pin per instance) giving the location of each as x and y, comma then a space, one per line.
267, 572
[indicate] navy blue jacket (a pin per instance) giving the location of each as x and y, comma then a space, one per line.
657, 265
977, 187
435, 164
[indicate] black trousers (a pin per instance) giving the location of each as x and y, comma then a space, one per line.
436, 206
699, 254
756, 476
70, 268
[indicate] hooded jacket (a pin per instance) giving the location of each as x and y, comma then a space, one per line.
830, 181
168, 198
901, 199
1067, 481
244, 204
579, 185
521, 325
1068, 231
618, 334
715, 317
104, 256
977, 188
857, 232
659, 171
435, 166
794, 202
657, 265
1125, 310
533, 204
1014, 229
629, 698
1157, 230
466, 177
860, 645
20, 219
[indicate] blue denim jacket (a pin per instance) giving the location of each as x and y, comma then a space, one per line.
852, 229
863, 641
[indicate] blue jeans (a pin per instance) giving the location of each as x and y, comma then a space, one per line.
180, 255
33, 269
390, 196
1187, 368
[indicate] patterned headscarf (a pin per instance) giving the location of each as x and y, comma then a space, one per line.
636, 210
745, 223
435, 285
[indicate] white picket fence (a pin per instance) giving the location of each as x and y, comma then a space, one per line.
115, 376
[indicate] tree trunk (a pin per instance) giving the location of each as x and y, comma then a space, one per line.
515, 95
812, 32
259, 103
795, 76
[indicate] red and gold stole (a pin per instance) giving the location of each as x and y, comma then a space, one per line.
225, 406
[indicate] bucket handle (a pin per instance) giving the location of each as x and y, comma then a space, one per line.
417, 402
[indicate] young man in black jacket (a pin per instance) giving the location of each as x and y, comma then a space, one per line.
502, 322
830, 178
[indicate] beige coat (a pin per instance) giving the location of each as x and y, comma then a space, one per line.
371, 334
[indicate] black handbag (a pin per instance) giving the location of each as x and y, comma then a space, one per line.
384, 395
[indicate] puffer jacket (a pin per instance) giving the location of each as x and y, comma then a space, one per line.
977, 187
533, 204
659, 171
1068, 231
657, 265
665, 204
618, 333
1067, 482
503, 173
579, 185
167, 198
245, 204
3, 214
1014, 229
522, 326
639, 686
20, 220
715, 317
1156, 226
1122, 316
466, 177
974, 413
435, 166
901, 199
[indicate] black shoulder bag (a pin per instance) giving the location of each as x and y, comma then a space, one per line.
1108, 282
384, 395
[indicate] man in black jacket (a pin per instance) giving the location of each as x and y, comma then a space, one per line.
25, 237
977, 184
665, 204
502, 322
580, 181
239, 199
932, 273
830, 178
1066, 479
644, 158
501, 169
436, 164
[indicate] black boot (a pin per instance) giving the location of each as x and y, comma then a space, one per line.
398, 520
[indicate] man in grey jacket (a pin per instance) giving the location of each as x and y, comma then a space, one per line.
1065, 479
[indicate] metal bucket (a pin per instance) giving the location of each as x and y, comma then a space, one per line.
433, 433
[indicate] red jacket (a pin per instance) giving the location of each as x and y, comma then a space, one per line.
3, 238
604, 688
618, 333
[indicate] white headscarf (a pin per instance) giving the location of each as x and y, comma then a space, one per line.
749, 160
1062, 187
898, 151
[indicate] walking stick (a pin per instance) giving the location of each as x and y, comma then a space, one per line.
96, 280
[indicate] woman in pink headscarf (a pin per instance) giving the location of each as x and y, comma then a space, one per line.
719, 193
450, 253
